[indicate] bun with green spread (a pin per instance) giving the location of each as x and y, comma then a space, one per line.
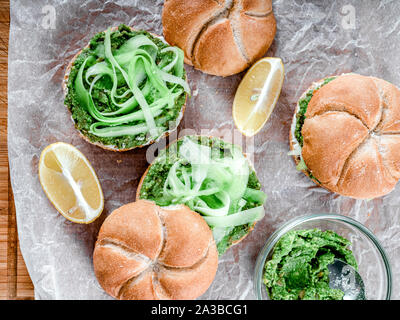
213, 178
345, 135
126, 89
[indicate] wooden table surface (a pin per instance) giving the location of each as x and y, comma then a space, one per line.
15, 282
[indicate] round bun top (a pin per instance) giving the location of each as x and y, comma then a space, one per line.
220, 37
352, 136
144, 252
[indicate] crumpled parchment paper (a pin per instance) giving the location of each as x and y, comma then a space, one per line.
314, 39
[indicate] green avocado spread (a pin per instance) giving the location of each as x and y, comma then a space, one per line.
300, 118
126, 88
298, 268
249, 197
301, 113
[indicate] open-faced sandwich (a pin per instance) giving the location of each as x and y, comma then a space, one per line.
213, 178
126, 89
345, 135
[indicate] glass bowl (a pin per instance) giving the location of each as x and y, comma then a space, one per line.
373, 262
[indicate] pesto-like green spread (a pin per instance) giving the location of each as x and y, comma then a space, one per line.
102, 91
300, 118
153, 184
298, 268
301, 113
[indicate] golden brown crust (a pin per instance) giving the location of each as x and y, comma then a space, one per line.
114, 268
136, 226
347, 144
182, 254
144, 176
140, 244
174, 280
354, 94
364, 174
180, 32
217, 44
251, 21
390, 122
101, 145
292, 138
257, 7
141, 288
326, 153
390, 149
220, 37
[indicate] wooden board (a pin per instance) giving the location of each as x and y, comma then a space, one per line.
15, 282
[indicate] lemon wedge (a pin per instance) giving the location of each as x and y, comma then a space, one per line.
257, 95
70, 183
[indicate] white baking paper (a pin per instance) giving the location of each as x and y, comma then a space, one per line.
315, 39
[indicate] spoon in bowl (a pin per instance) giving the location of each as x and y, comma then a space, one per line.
344, 277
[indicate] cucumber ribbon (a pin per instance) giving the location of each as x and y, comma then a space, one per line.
213, 185
133, 66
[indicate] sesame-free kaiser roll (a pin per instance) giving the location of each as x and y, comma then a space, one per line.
350, 138
145, 252
220, 37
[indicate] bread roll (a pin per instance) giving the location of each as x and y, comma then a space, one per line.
144, 252
220, 37
351, 136
113, 147
251, 166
